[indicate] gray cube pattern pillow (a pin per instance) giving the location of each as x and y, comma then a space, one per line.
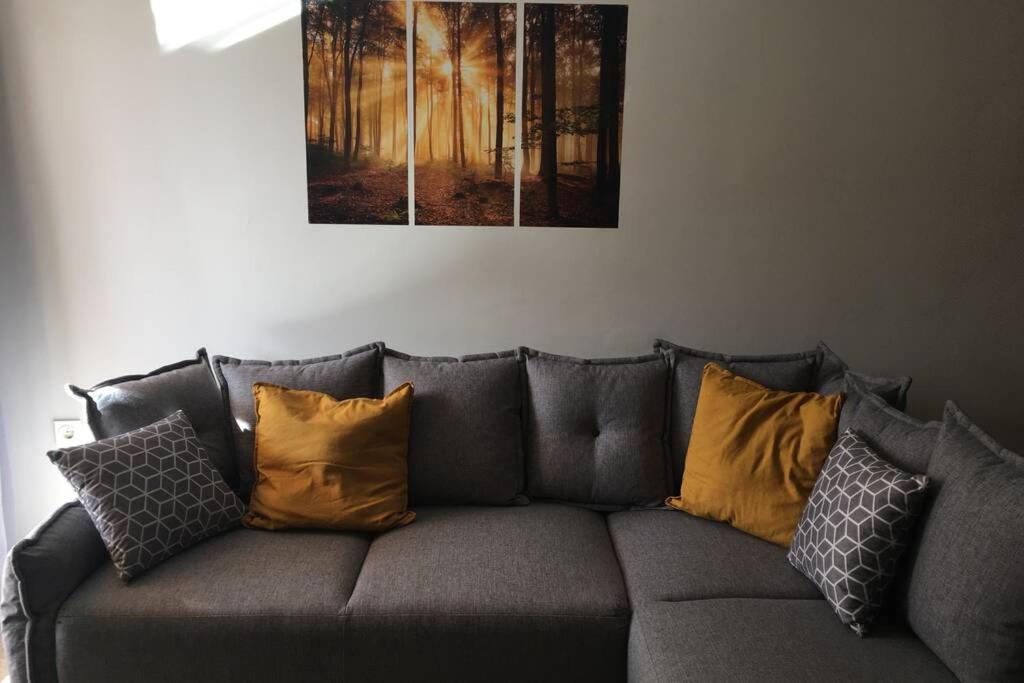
855, 528
151, 492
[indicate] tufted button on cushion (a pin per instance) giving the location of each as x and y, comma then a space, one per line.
595, 429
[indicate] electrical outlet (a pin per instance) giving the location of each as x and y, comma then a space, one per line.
71, 433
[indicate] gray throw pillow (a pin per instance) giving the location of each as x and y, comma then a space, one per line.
966, 587
126, 403
465, 441
895, 436
595, 429
353, 374
151, 492
854, 529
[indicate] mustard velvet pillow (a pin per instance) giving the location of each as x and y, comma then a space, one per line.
755, 454
329, 464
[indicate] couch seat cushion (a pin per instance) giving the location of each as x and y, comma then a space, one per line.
671, 555
490, 594
740, 639
246, 605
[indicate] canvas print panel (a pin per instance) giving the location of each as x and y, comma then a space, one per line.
464, 53
354, 66
574, 67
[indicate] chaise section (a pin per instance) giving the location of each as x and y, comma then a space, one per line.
245, 605
671, 555
490, 594
760, 640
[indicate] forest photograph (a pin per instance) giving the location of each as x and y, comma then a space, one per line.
464, 135
354, 71
574, 61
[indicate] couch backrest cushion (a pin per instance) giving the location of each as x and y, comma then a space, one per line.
465, 446
783, 372
896, 437
126, 403
596, 429
353, 374
966, 583
833, 371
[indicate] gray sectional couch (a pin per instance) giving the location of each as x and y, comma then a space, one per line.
559, 565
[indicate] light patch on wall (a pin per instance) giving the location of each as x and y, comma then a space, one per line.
216, 24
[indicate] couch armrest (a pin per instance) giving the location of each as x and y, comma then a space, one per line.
41, 571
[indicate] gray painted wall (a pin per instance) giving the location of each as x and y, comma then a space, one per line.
793, 170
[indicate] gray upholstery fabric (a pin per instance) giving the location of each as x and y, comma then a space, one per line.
40, 572
126, 403
670, 555
819, 370
831, 379
854, 529
465, 442
894, 435
966, 584
596, 429
786, 372
246, 605
151, 492
756, 640
899, 439
353, 374
490, 594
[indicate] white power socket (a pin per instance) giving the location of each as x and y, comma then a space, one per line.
71, 433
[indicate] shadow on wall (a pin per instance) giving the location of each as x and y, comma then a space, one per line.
26, 347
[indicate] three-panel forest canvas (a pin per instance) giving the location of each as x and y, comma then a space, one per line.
480, 154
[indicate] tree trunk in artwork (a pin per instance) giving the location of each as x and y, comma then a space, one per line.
458, 68
394, 113
359, 107
347, 67
499, 93
378, 128
549, 139
415, 39
307, 54
454, 152
527, 104
608, 100
430, 108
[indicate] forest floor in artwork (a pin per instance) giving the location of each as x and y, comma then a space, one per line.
576, 206
363, 193
447, 195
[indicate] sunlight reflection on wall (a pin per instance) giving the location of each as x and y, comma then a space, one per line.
216, 24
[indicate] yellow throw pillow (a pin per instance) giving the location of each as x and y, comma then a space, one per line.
329, 464
755, 454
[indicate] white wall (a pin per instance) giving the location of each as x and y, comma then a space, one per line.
793, 170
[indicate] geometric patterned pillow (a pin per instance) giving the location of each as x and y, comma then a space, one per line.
151, 492
855, 527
